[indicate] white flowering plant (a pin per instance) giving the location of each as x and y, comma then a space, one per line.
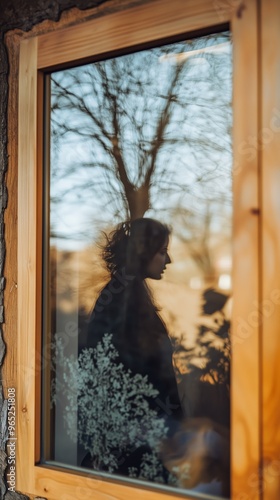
112, 404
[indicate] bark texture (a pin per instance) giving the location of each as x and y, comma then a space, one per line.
23, 15
3, 202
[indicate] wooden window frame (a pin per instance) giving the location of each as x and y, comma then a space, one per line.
119, 26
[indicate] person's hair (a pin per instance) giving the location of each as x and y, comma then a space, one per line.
133, 244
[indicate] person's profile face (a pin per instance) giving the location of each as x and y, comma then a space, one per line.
158, 263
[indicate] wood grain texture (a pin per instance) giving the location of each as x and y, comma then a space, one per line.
152, 21
269, 139
9, 371
245, 393
27, 227
55, 484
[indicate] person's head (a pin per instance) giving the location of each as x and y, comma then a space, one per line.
140, 247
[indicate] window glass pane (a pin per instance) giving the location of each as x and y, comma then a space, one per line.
138, 252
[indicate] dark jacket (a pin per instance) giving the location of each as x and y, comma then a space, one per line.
140, 337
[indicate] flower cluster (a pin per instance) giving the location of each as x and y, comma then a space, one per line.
112, 405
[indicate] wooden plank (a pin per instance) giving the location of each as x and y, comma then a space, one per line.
55, 484
144, 23
39, 257
9, 368
245, 398
27, 193
269, 146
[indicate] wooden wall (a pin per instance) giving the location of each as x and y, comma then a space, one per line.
16, 17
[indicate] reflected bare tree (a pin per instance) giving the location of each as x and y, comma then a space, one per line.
146, 131
204, 227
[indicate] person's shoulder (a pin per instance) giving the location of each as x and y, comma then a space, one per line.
112, 291
111, 298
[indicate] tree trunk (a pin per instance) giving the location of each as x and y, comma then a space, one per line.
138, 200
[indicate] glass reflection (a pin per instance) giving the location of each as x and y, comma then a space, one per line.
139, 311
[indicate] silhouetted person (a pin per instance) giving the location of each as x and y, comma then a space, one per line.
125, 308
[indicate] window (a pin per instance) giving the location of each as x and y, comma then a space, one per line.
141, 135
139, 25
